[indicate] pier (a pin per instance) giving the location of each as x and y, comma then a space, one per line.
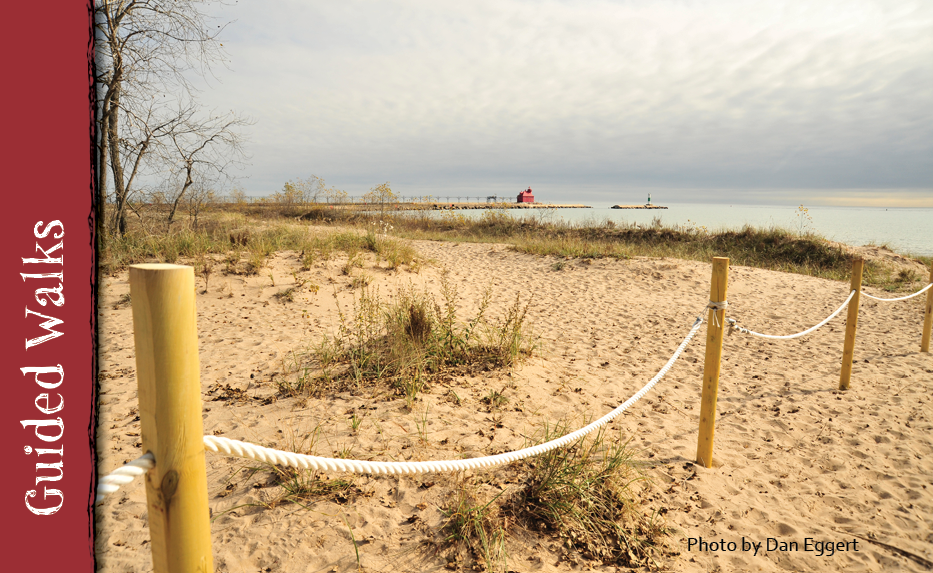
645, 206
483, 205
454, 205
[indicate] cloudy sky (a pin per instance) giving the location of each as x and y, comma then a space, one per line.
779, 101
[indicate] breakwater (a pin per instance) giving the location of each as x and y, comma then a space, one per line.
646, 206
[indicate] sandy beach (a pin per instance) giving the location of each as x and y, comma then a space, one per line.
795, 459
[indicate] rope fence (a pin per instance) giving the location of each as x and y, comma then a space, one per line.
165, 335
736, 328
239, 449
919, 292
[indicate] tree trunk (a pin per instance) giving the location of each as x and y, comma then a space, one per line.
188, 181
101, 197
116, 166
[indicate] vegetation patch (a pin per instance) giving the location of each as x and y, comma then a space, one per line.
788, 250
243, 245
410, 342
474, 529
584, 494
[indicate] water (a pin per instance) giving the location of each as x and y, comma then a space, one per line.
905, 230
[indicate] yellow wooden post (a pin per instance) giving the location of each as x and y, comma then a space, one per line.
848, 348
714, 330
167, 373
928, 318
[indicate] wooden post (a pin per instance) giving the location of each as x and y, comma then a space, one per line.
848, 348
928, 318
167, 373
714, 330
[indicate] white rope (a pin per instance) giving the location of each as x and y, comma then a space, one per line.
240, 449
743, 330
921, 291
124, 475
714, 306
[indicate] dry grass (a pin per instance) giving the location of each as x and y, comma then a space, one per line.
473, 528
794, 251
243, 244
246, 235
585, 494
410, 342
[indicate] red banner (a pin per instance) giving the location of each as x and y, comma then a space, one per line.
48, 308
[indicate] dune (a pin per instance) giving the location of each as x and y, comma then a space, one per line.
796, 461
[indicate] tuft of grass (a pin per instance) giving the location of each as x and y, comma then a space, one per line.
361, 280
355, 423
584, 494
356, 548
291, 485
908, 276
307, 259
206, 269
417, 324
411, 341
474, 525
354, 261
287, 295
495, 400
303, 486
254, 262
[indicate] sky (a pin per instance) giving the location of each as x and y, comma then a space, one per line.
774, 102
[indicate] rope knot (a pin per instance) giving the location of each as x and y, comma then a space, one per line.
734, 327
723, 305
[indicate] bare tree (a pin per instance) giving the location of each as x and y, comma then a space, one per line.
205, 149
143, 50
144, 134
200, 197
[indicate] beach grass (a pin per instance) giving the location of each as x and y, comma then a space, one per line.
473, 525
409, 342
243, 244
585, 493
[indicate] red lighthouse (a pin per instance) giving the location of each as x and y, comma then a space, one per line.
526, 196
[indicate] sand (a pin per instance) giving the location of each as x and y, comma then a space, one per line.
794, 457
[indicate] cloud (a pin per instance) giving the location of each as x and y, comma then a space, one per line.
787, 94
